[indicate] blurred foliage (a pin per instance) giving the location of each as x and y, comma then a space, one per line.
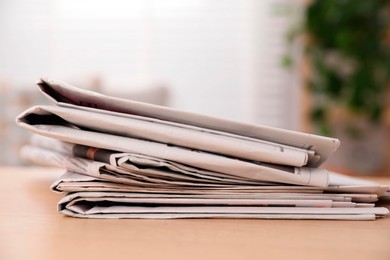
347, 43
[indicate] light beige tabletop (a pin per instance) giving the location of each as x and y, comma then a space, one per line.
31, 228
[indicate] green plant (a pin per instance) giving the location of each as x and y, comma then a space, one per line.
347, 43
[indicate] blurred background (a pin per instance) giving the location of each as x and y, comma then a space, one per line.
314, 66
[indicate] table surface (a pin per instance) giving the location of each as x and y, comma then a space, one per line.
31, 228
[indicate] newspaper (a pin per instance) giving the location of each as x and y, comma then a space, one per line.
124, 202
179, 135
103, 164
97, 195
209, 162
42, 146
65, 95
111, 197
126, 159
71, 182
141, 171
74, 182
128, 205
349, 184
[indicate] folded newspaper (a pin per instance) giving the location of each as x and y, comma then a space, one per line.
127, 159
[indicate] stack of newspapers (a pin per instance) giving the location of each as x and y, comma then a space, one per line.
127, 159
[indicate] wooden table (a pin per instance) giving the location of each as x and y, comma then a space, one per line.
31, 228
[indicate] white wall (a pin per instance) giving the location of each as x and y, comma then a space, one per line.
219, 57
